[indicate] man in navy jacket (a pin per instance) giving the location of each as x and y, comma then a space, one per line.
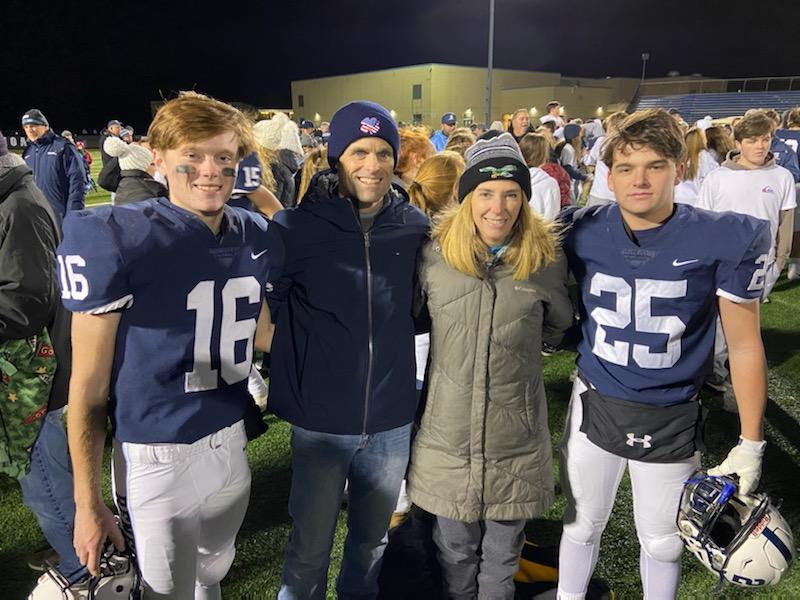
343, 353
57, 167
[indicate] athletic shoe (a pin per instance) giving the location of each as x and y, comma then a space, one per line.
793, 272
43, 559
548, 349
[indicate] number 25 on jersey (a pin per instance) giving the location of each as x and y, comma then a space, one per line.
636, 304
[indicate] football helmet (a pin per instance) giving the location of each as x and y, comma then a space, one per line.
742, 538
118, 580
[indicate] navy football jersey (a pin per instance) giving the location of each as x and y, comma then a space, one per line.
791, 137
190, 300
649, 310
248, 180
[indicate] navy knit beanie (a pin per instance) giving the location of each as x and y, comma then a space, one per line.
358, 120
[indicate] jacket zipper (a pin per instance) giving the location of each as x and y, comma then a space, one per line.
370, 345
490, 281
369, 333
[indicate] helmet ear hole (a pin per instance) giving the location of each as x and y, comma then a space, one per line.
725, 528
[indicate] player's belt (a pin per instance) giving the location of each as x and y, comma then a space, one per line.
646, 432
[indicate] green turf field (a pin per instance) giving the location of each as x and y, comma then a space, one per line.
256, 570
100, 196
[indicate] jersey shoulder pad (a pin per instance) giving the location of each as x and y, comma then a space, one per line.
729, 235
573, 217
90, 263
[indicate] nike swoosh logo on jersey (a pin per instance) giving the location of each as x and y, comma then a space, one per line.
677, 263
257, 256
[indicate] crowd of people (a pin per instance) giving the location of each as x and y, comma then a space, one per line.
405, 284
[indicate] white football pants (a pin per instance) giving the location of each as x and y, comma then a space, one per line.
590, 477
185, 504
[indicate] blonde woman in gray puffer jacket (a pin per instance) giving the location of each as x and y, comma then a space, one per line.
493, 280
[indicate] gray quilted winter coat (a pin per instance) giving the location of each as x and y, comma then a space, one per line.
483, 450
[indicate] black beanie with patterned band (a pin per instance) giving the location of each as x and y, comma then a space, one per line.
496, 159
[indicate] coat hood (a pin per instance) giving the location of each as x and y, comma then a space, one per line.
11, 175
538, 175
732, 163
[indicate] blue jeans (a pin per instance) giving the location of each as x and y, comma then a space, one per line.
47, 491
374, 465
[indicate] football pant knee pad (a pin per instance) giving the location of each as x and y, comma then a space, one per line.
584, 531
663, 548
212, 568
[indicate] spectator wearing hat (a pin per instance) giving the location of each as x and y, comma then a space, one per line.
109, 175
569, 153
478, 129
307, 143
67, 135
126, 135
280, 141
112, 130
57, 167
343, 352
439, 139
482, 458
136, 171
310, 130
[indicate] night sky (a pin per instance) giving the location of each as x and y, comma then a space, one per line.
85, 62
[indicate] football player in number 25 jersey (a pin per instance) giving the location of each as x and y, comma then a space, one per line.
168, 300
653, 275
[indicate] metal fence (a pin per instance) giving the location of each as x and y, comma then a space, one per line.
704, 86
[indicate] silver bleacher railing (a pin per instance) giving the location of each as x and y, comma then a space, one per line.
699, 85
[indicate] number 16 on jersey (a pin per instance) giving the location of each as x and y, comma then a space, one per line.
201, 300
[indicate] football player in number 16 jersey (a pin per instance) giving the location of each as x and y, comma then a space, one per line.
168, 303
653, 275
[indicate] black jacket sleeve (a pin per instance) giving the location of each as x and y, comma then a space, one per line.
28, 287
